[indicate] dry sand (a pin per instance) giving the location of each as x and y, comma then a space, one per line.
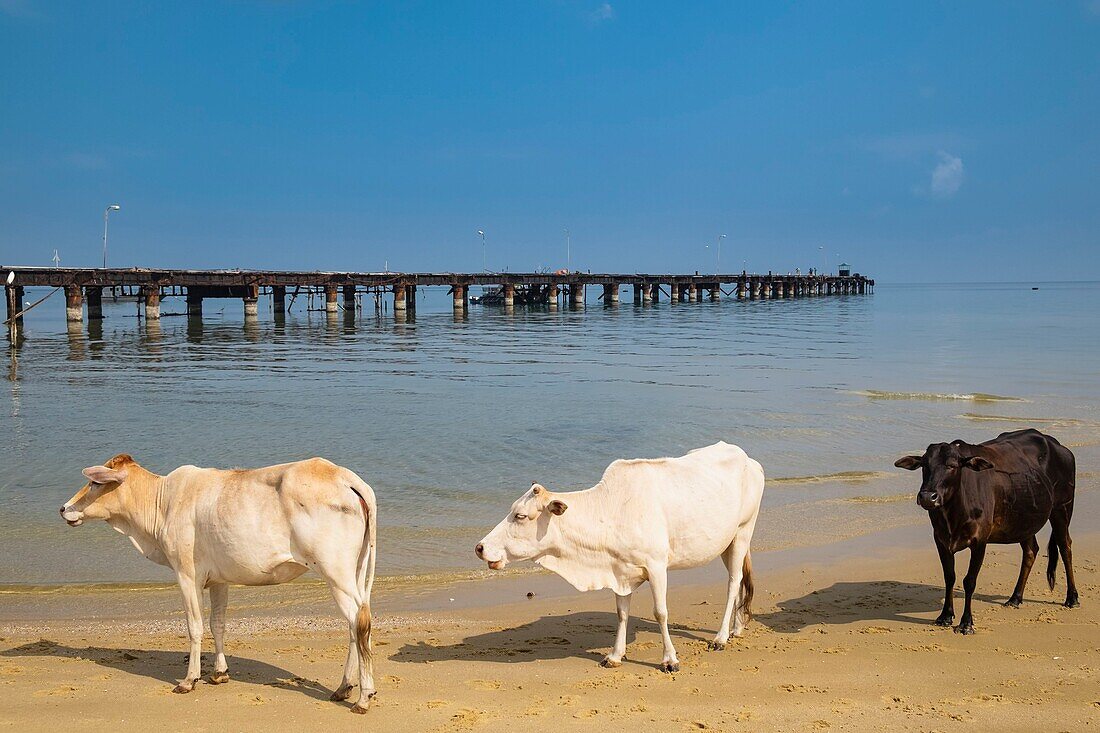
842, 640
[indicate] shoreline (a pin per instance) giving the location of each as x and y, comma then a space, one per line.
492, 657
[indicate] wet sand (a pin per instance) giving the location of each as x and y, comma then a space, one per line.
842, 640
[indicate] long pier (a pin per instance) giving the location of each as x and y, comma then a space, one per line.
84, 287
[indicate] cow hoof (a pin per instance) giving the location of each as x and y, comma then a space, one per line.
1013, 602
715, 646
670, 667
1072, 603
610, 663
964, 629
341, 694
183, 688
219, 678
360, 708
945, 621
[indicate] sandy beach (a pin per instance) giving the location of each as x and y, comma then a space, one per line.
842, 640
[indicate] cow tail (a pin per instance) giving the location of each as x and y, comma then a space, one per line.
367, 555
744, 607
1052, 559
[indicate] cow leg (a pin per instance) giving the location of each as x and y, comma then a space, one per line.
351, 608
1059, 522
658, 582
1031, 549
622, 609
947, 561
219, 599
977, 556
192, 606
734, 559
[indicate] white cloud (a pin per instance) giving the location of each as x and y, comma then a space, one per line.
602, 13
947, 176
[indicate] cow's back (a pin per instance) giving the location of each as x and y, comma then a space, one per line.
1032, 452
697, 502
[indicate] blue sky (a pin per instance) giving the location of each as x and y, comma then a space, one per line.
919, 141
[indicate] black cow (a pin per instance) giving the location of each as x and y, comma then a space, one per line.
1002, 491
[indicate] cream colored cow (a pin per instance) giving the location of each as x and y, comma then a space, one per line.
644, 518
251, 527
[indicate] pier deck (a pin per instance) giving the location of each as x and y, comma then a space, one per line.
86, 285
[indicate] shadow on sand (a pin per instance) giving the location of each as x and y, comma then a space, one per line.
885, 600
169, 666
585, 635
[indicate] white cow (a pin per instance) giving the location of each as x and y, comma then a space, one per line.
644, 518
256, 527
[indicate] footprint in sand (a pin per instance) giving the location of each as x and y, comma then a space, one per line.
485, 684
433, 704
62, 690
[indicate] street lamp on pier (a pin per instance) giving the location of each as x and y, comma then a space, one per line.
106, 212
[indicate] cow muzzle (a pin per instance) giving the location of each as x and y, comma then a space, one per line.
929, 500
493, 564
72, 518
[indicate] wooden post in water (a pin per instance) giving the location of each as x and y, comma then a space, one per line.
93, 295
14, 300
330, 299
151, 294
278, 298
74, 304
251, 302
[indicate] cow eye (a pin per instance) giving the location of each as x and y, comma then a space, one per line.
520, 516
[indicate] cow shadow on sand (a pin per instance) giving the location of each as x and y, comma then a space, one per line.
886, 600
169, 666
585, 635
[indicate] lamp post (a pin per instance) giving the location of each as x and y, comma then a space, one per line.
481, 234
718, 260
106, 212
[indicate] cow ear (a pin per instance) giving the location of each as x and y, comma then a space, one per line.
909, 463
557, 506
977, 463
104, 475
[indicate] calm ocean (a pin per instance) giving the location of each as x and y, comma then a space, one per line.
449, 420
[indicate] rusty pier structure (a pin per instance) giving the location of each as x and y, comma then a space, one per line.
86, 288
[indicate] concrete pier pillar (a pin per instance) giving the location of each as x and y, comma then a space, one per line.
194, 305
610, 294
347, 293
740, 289
459, 297
552, 296
252, 302
151, 294
93, 296
716, 292
509, 293
400, 300
647, 293
637, 294
330, 299
74, 304
674, 292
576, 294
278, 298
697, 293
